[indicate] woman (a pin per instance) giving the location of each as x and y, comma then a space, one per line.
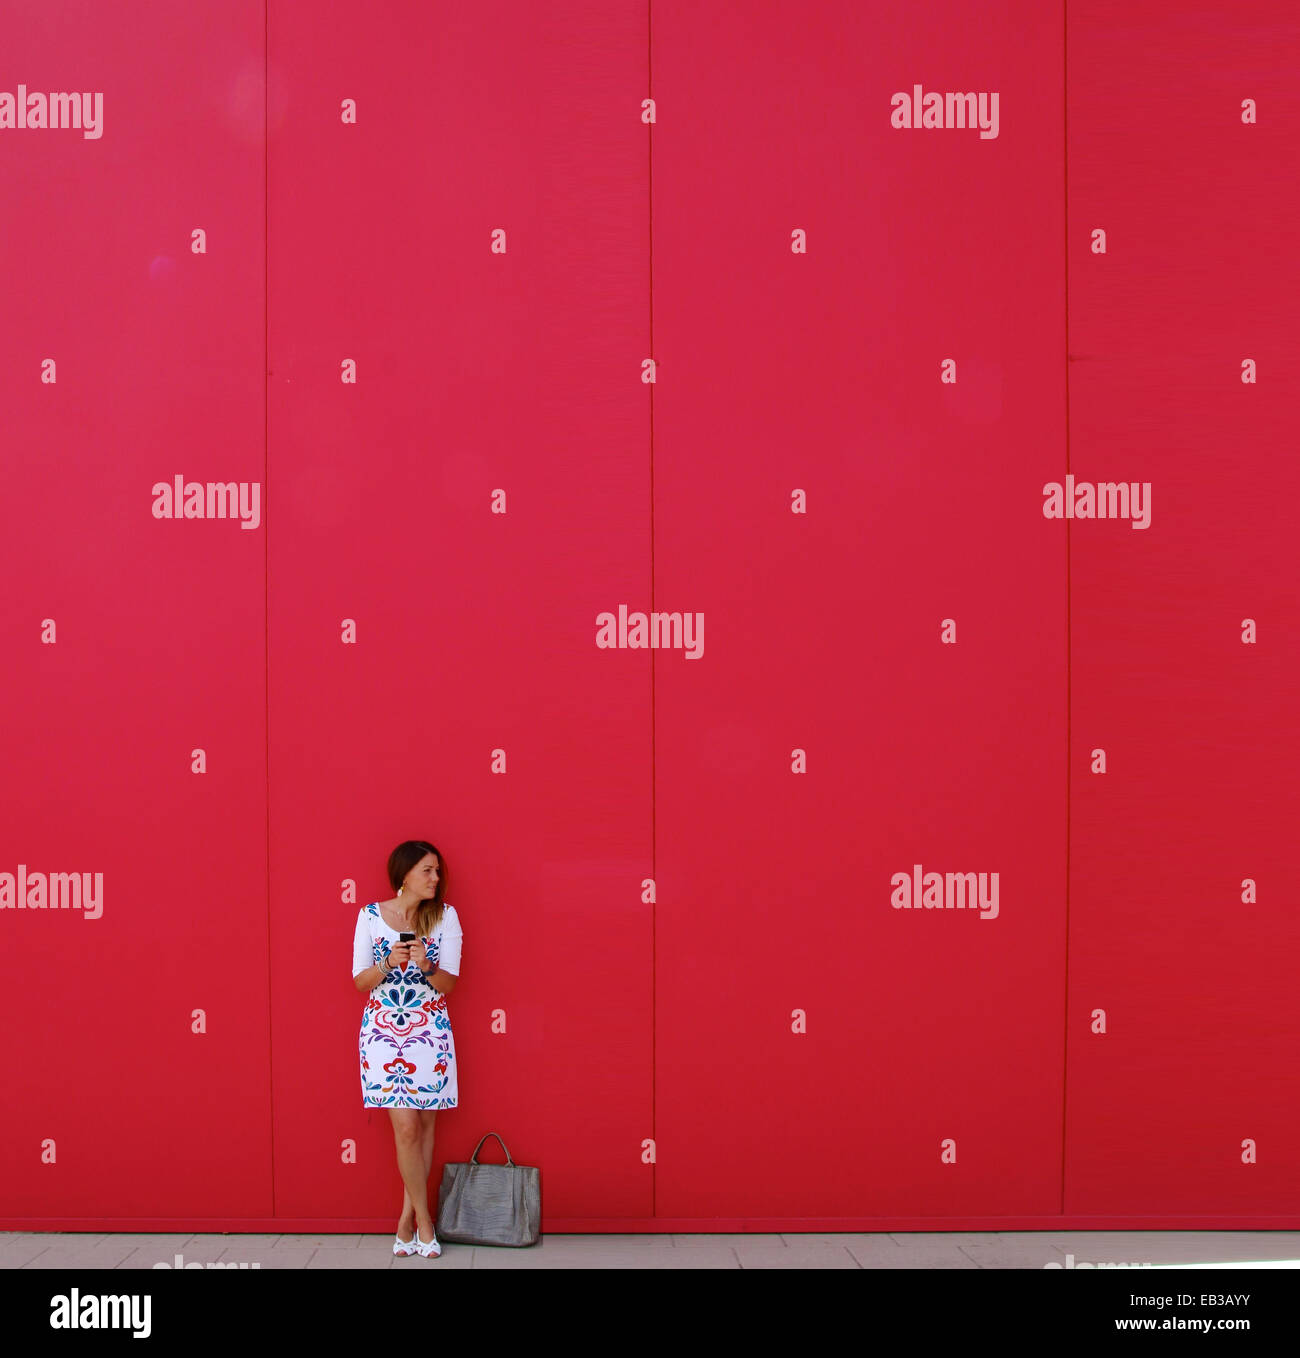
408, 1057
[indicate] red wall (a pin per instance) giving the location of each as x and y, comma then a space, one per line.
762, 1041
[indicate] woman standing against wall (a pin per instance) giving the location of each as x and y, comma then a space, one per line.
406, 953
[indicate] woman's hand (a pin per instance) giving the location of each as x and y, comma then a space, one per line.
419, 955
399, 954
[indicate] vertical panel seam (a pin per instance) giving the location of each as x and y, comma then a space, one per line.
654, 872
1065, 166
266, 545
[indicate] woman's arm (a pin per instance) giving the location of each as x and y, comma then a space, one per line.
442, 981
366, 975
370, 978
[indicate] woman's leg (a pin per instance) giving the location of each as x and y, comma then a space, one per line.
428, 1116
406, 1222
410, 1164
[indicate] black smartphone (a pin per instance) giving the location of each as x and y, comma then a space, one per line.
405, 938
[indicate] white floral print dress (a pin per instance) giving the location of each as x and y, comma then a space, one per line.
408, 1055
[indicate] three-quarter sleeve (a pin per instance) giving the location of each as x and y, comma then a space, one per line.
449, 945
363, 955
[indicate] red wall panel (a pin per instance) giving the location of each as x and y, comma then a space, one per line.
1200, 731
652, 899
821, 372
477, 373
134, 734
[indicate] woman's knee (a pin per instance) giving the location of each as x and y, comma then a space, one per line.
406, 1123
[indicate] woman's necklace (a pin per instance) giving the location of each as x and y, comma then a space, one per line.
406, 922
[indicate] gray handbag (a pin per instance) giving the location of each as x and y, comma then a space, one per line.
490, 1204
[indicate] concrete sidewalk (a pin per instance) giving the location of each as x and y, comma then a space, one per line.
1014, 1249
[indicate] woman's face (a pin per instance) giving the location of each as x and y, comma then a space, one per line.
423, 877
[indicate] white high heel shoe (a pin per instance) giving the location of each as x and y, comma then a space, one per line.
427, 1249
404, 1247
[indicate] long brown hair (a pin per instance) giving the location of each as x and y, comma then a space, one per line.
403, 858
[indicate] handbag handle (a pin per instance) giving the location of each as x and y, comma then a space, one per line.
474, 1158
